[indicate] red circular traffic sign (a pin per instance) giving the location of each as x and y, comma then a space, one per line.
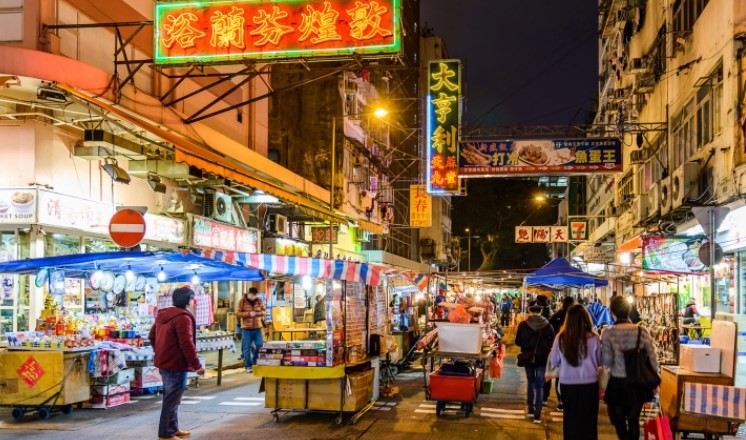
127, 228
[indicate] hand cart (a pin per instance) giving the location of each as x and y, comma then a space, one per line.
29, 387
445, 389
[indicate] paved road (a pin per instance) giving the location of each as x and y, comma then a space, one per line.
236, 410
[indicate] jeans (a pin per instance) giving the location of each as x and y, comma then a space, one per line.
504, 319
250, 353
535, 377
580, 418
626, 420
174, 384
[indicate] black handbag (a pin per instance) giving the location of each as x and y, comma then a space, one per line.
528, 358
639, 369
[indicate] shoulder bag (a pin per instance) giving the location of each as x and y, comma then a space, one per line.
639, 369
528, 358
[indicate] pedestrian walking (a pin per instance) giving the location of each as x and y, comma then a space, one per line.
546, 312
535, 337
250, 309
577, 353
505, 306
173, 338
557, 320
624, 402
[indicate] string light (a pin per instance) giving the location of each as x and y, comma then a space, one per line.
162, 275
195, 279
129, 274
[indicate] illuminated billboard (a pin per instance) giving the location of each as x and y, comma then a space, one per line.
443, 126
220, 31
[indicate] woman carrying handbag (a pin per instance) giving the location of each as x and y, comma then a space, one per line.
625, 344
576, 352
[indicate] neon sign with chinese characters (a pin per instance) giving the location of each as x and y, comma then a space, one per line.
443, 126
218, 31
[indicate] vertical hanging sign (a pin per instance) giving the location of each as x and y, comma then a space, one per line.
420, 207
443, 126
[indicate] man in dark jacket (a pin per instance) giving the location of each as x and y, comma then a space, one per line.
506, 305
173, 337
535, 335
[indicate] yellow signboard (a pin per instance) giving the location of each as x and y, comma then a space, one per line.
420, 207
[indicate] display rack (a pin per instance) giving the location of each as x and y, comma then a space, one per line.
660, 315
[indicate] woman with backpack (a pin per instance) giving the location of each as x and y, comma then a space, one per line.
623, 399
577, 353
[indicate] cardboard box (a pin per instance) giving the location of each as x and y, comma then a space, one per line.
147, 377
291, 392
699, 358
459, 338
325, 394
108, 390
109, 401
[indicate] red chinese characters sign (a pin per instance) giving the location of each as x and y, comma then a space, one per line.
30, 372
213, 235
443, 125
420, 207
218, 31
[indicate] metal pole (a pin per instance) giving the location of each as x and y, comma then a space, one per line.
469, 250
331, 187
713, 296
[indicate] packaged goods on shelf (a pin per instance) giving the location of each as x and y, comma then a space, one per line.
110, 400
269, 362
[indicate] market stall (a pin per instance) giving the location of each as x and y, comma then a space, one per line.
338, 370
128, 288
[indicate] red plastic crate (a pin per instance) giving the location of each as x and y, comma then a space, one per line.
454, 388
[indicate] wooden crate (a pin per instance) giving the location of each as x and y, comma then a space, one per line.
44, 373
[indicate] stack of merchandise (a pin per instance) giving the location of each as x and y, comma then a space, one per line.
113, 390
356, 335
739, 377
294, 353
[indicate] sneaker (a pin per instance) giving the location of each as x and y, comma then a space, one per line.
560, 407
249, 370
537, 421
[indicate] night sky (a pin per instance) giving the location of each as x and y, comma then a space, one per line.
538, 58
528, 62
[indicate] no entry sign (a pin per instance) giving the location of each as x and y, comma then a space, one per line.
127, 228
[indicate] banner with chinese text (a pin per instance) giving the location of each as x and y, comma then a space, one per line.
215, 31
545, 157
541, 234
443, 126
420, 207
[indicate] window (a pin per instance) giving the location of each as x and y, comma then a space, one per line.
686, 13
11, 20
700, 120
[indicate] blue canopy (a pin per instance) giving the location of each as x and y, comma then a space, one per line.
179, 267
559, 272
600, 314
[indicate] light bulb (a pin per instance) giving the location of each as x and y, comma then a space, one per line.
630, 299
162, 275
307, 283
195, 279
129, 274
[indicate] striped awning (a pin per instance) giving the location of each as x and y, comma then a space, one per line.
370, 274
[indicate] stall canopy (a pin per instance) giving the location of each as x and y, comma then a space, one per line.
178, 266
371, 274
559, 272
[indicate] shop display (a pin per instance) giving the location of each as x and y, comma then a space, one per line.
295, 353
659, 314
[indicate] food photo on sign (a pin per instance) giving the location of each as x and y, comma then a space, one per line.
672, 254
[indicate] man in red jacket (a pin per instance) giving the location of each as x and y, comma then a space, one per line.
173, 337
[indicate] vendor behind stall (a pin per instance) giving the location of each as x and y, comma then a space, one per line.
319, 309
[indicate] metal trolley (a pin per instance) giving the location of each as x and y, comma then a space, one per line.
444, 389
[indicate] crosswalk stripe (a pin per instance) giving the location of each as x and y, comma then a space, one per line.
502, 416
557, 419
425, 411
383, 408
190, 402
507, 411
240, 403
253, 399
424, 405
199, 397
556, 413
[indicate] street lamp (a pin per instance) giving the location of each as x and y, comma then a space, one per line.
379, 113
468, 246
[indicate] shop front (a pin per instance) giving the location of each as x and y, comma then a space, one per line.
38, 222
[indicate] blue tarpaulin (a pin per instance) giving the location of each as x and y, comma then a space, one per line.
559, 272
178, 266
600, 314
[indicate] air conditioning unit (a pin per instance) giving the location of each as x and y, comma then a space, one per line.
639, 209
278, 224
684, 184
218, 206
362, 236
637, 156
665, 196
654, 207
638, 65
